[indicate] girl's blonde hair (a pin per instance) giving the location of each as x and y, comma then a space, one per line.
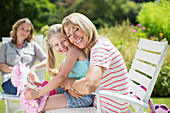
77, 19
13, 33
52, 65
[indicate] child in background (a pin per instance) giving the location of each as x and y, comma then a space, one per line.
76, 64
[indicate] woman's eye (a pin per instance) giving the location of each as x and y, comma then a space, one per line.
69, 36
56, 45
64, 40
76, 29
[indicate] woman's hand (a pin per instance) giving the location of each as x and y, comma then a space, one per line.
33, 68
74, 93
67, 87
67, 83
30, 94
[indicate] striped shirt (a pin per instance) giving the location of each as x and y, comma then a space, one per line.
115, 77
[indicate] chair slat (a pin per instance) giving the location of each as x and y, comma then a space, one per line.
137, 90
141, 79
39, 39
147, 56
6, 39
143, 67
152, 45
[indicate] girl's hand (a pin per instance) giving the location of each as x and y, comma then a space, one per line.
30, 94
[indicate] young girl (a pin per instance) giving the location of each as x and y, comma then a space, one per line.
75, 64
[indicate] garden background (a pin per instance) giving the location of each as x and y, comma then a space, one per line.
123, 21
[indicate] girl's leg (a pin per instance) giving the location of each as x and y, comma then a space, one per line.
55, 101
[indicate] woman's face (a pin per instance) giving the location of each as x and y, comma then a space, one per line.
23, 31
60, 43
77, 36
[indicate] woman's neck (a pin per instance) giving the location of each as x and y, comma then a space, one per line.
19, 44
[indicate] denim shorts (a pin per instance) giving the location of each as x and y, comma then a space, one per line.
72, 102
9, 88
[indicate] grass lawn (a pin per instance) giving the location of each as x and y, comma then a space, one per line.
155, 101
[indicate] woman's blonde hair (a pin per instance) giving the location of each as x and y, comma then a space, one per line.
77, 19
52, 65
13, 33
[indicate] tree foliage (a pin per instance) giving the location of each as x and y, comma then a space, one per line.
9, 14
40, 12
48, 12
156, 18
106, 11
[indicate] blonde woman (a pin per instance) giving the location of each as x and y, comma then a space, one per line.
107, 68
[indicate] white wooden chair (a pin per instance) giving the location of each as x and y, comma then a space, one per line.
144, 71
12, 101
40, 72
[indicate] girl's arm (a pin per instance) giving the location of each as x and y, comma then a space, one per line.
71, 59
61, 65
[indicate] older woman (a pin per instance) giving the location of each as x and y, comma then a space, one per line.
20, 48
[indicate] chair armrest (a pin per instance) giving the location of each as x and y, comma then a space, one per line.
8, 96
122, 98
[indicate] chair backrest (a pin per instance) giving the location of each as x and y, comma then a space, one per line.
39, 40
6, 39
145, 68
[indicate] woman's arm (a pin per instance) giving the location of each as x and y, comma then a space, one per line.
5, 68
57, 80
90, 83
39, 65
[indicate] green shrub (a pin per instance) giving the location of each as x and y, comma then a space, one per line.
156, 18
162, 86
44, 30
123, 38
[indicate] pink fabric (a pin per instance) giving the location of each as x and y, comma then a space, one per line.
19, 80
30, 106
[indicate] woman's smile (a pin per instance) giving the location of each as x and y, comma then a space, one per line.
79, 40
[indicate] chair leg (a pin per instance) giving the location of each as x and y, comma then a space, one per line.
7, 106
151, 105
130, 111
98, 104
142, 110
